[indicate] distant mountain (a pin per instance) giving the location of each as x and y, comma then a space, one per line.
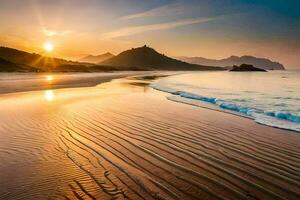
96, 59
146, 58
142, 58
41, 63
261, 63
246, 68
7, 66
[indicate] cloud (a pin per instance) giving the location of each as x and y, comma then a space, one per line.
153, 27
51, 33
166, 10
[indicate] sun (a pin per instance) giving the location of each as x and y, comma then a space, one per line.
48, 47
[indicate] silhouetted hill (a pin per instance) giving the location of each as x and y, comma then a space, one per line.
261, 63
148, 59
246, 68
7, 66
37, 61
96, 59
143, 58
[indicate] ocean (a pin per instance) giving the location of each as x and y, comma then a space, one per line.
271, 98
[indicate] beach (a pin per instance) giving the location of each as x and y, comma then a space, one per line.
22, 82
124, 140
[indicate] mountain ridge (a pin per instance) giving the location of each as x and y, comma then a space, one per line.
135, 59
42, 63
7, 66
96, 58
262, 63
150, 59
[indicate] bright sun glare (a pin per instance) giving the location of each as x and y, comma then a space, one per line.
49, 78
48, 47
49, 95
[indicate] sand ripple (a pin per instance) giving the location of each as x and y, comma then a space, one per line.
139, 146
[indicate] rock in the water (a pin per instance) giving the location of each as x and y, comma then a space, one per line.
246, 68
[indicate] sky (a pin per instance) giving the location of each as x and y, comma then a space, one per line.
205, 28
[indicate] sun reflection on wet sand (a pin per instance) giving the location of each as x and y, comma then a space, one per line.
49, 78
49, 95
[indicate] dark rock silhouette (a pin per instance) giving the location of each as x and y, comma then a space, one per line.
246, 68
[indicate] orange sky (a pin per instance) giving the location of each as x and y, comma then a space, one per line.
176, 28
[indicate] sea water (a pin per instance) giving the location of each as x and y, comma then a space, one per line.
271, 98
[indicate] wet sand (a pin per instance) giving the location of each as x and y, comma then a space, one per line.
123, 140
21, 82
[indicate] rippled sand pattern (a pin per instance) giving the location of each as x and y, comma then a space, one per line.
116, 142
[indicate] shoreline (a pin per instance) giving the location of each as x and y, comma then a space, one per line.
106, 77
48, 81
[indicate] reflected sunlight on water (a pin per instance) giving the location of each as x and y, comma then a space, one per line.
49, 95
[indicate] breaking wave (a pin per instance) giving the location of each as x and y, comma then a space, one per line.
278, 119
